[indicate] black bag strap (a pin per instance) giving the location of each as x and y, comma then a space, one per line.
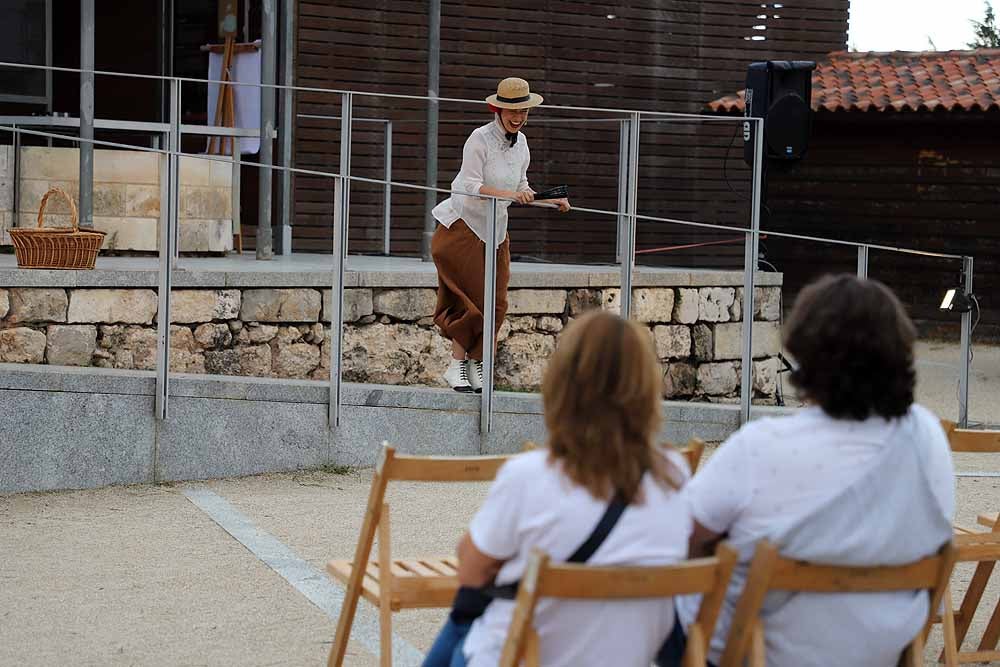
583, 553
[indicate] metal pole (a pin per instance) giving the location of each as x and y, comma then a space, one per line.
287, 124
433, 85
87, 113
168, 219
267, 59
337, 298
862, 262
628, 235
750, 249
964, 346
346, 128
236, 185
623, 154
175, 141
387, 191
489, 324
16, 179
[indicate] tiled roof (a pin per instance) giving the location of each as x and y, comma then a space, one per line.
900, 81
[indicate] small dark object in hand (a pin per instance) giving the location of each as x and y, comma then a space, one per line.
558, 192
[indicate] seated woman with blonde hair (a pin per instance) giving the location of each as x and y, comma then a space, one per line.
601, 395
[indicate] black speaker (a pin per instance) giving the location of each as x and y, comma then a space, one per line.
780, 92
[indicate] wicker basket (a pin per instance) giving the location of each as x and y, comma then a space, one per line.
56, 247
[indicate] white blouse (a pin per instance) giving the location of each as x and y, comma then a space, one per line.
487, 159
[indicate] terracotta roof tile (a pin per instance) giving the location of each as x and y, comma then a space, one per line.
900, 80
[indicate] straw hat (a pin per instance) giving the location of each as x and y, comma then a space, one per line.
513, 93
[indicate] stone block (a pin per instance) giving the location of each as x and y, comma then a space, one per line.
4, 303
112, 306
49, 164
221, 174
280, 305
36, 304
200, 305
358, 303
521, 323
718, 379
109, 200
211, 336
686, 306
536, 302
680, 380
129, 346
673, 341
6, 222
736, 310
393, 354
582, 300
550, 324
195, 171
254, 360
521, 360
767, 303
129, 233
261, 333
206, 235
22, 345
297, 360
714, 303
120, 166
30, 220
702, 342
142, 201
68, 345
652, 304
198, 203
408, 305
728, 340
765, 376
6, 193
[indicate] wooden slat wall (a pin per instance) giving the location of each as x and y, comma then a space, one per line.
666, 55
922, 181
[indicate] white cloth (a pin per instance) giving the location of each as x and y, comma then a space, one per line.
532, 504
487, 159
875, 492
246, 99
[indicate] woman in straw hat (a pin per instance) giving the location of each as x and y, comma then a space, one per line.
494, 164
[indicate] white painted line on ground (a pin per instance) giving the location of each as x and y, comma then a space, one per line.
315, 585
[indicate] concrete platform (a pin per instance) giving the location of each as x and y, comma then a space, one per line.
73, 428
314, 270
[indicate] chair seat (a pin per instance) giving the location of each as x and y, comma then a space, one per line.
424, 583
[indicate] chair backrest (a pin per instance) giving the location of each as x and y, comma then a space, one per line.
771, 572
971, 440
542, 578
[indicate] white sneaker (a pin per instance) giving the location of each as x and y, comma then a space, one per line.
476, 375
457, 376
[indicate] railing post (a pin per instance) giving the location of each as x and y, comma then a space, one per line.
346, 124
337, 297
489, 324
629, 229
623, 163
237, 185
964, 348
862, 262
749, 269
169, 172
174, 143
387, 191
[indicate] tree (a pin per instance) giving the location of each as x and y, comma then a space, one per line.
987, 36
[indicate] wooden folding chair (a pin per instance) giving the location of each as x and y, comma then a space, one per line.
771, 572
543, 579
419, 583
972, 547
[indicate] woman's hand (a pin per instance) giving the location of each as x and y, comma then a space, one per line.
523, 197
563, 204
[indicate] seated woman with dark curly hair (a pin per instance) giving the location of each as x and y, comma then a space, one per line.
860, 477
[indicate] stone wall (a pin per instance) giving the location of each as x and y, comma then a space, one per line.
389, 337
126, 196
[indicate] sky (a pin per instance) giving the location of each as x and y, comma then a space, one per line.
905, 25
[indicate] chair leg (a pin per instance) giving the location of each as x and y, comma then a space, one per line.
913, 655
950, 652
992, 634
385, 632
531, 653
694, 653
344, 623
971, 600
758, 650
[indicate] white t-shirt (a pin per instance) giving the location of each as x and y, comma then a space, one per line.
487, 159
533, 505
779, 471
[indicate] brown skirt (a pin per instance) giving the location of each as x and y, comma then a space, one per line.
460, 257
